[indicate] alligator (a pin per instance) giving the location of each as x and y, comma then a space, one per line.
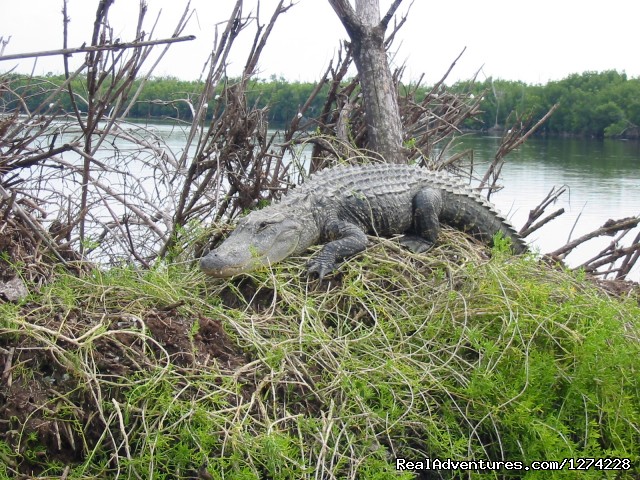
341, 205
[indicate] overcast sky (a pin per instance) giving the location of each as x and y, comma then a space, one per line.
531, 40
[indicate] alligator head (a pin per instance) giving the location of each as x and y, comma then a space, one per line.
263, 237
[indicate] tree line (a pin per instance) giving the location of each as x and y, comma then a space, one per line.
594, 104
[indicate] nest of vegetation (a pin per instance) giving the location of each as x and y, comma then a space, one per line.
461, 353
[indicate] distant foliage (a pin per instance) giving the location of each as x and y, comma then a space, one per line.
169, 97
605, 104
595, 104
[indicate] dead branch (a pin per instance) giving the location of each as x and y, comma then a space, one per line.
609, 228
4, 43
261, 38
538, 211
630, 260
390, 13
541, 223
139, 34
98, 48
397, 25
33, 225
233, 150
515, 136
103, 202
609, 256
438, 85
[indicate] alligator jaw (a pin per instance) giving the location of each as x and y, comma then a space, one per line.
217, 265
232, 259
262, 238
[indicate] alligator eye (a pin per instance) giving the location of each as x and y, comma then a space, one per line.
262, 225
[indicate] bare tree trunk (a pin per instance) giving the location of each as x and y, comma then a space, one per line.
366, 31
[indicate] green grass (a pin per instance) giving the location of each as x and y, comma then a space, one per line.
445, 355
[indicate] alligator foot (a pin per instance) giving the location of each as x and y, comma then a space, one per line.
416, 244
318, 267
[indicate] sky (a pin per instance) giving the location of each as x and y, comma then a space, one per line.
529, 40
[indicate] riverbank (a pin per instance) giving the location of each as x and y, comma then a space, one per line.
632, 133
464, 353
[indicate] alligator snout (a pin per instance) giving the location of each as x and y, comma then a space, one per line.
226, 263
210, 263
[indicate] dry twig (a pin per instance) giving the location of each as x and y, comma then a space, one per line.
553, 195
97, 48
515, 136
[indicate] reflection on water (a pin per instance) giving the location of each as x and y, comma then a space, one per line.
603, 179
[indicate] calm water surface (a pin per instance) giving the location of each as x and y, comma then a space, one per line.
603, 179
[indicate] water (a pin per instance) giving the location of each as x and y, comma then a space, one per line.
603, 178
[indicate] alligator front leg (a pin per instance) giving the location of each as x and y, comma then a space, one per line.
426, 206
349, 240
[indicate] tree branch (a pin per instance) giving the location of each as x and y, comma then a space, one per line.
97, 48
537, 212
528, 231
261, 38
513, 138
347, 16
389, 15
609, 227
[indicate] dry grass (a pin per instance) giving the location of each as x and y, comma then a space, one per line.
454, 354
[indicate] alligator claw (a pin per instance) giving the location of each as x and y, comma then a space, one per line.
318, 268
416, 244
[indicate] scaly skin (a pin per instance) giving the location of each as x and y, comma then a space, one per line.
341, 205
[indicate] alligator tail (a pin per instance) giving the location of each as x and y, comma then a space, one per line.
471, 213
